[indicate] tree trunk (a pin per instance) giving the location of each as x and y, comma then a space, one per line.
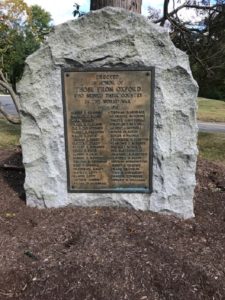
13, 83
165, 12
131, 5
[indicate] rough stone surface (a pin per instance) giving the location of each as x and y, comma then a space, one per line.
110, 37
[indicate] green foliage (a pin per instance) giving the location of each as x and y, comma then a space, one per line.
14, 13
22, 29
39, 24
14, 57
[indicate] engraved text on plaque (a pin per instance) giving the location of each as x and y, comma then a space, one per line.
108, 136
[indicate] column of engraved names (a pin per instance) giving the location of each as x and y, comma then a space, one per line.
128, 147
86, 142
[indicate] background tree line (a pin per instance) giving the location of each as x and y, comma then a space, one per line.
202, 40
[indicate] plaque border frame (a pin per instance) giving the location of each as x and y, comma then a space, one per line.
151, 131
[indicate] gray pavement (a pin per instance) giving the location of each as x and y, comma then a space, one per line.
9, 106
211, 127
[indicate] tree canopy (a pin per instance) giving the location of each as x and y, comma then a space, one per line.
22, 29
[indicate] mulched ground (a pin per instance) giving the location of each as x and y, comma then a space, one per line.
111, 253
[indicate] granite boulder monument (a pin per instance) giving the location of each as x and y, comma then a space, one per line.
108, 110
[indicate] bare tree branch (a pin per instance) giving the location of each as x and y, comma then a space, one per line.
12, 167
183, 29
175, 11
2, 76
5, 84
215, 54
165, 13
9, 117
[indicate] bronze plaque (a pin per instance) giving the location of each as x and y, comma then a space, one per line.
107, 124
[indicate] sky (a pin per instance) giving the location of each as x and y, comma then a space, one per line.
61, 11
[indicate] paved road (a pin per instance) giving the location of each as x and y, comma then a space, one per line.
9, 106
211, 127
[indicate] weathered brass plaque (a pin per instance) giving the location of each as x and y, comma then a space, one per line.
108, 130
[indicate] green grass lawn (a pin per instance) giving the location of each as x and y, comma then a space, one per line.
212, 146
9, 134
211, 110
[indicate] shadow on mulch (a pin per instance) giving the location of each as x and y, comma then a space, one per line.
13, 177
77, 253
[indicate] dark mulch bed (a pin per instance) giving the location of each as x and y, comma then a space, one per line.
111, 253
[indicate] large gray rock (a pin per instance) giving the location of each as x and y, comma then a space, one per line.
110, 37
